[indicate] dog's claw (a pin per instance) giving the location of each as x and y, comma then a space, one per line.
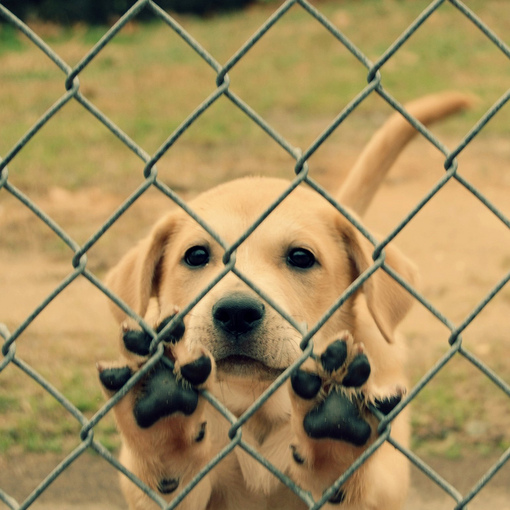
338, 497
337, 417
296, 456
114, 378
386, 405
164, 395
197, 371
168, 485
201, 432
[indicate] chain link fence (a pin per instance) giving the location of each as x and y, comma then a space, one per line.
150, 180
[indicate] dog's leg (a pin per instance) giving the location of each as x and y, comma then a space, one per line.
162, 418
332, 426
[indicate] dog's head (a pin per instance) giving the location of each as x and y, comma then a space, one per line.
303, 256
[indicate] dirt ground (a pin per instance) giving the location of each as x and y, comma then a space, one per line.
461, 249
92, 484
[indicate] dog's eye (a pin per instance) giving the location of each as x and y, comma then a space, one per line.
196, 256
301, 258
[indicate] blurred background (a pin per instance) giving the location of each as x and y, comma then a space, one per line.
298, 77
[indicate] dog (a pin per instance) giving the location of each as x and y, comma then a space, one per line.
234, 344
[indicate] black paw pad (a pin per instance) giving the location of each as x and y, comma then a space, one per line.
197, 371
338, 497
358, 372
168, 485
163, 395
137, 342
114, 378
386, 405
173, 334
334, 356
337, 418
305, 384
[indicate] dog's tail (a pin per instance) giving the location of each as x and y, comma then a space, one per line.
382, 150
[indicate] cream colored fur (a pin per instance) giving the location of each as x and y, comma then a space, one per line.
152, 279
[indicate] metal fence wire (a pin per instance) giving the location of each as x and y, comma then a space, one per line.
150, 180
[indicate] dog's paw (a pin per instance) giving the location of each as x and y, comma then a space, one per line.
332, 394
165, 390
164, 393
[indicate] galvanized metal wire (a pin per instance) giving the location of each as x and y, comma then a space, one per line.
220, 88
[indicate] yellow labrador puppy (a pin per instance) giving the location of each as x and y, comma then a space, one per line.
303, 256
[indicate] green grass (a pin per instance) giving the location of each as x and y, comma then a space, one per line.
458, 413
148, 81
10, 40
32, 420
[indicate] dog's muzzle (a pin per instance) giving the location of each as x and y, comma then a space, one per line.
238, 319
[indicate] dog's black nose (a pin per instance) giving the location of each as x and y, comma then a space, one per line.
238, 313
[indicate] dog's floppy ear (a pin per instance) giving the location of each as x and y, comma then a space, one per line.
388, 302
135, 279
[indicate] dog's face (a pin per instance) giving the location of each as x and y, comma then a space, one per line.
302, 256
303, 267
293, 259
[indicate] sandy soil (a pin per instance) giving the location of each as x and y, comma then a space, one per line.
92, 484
